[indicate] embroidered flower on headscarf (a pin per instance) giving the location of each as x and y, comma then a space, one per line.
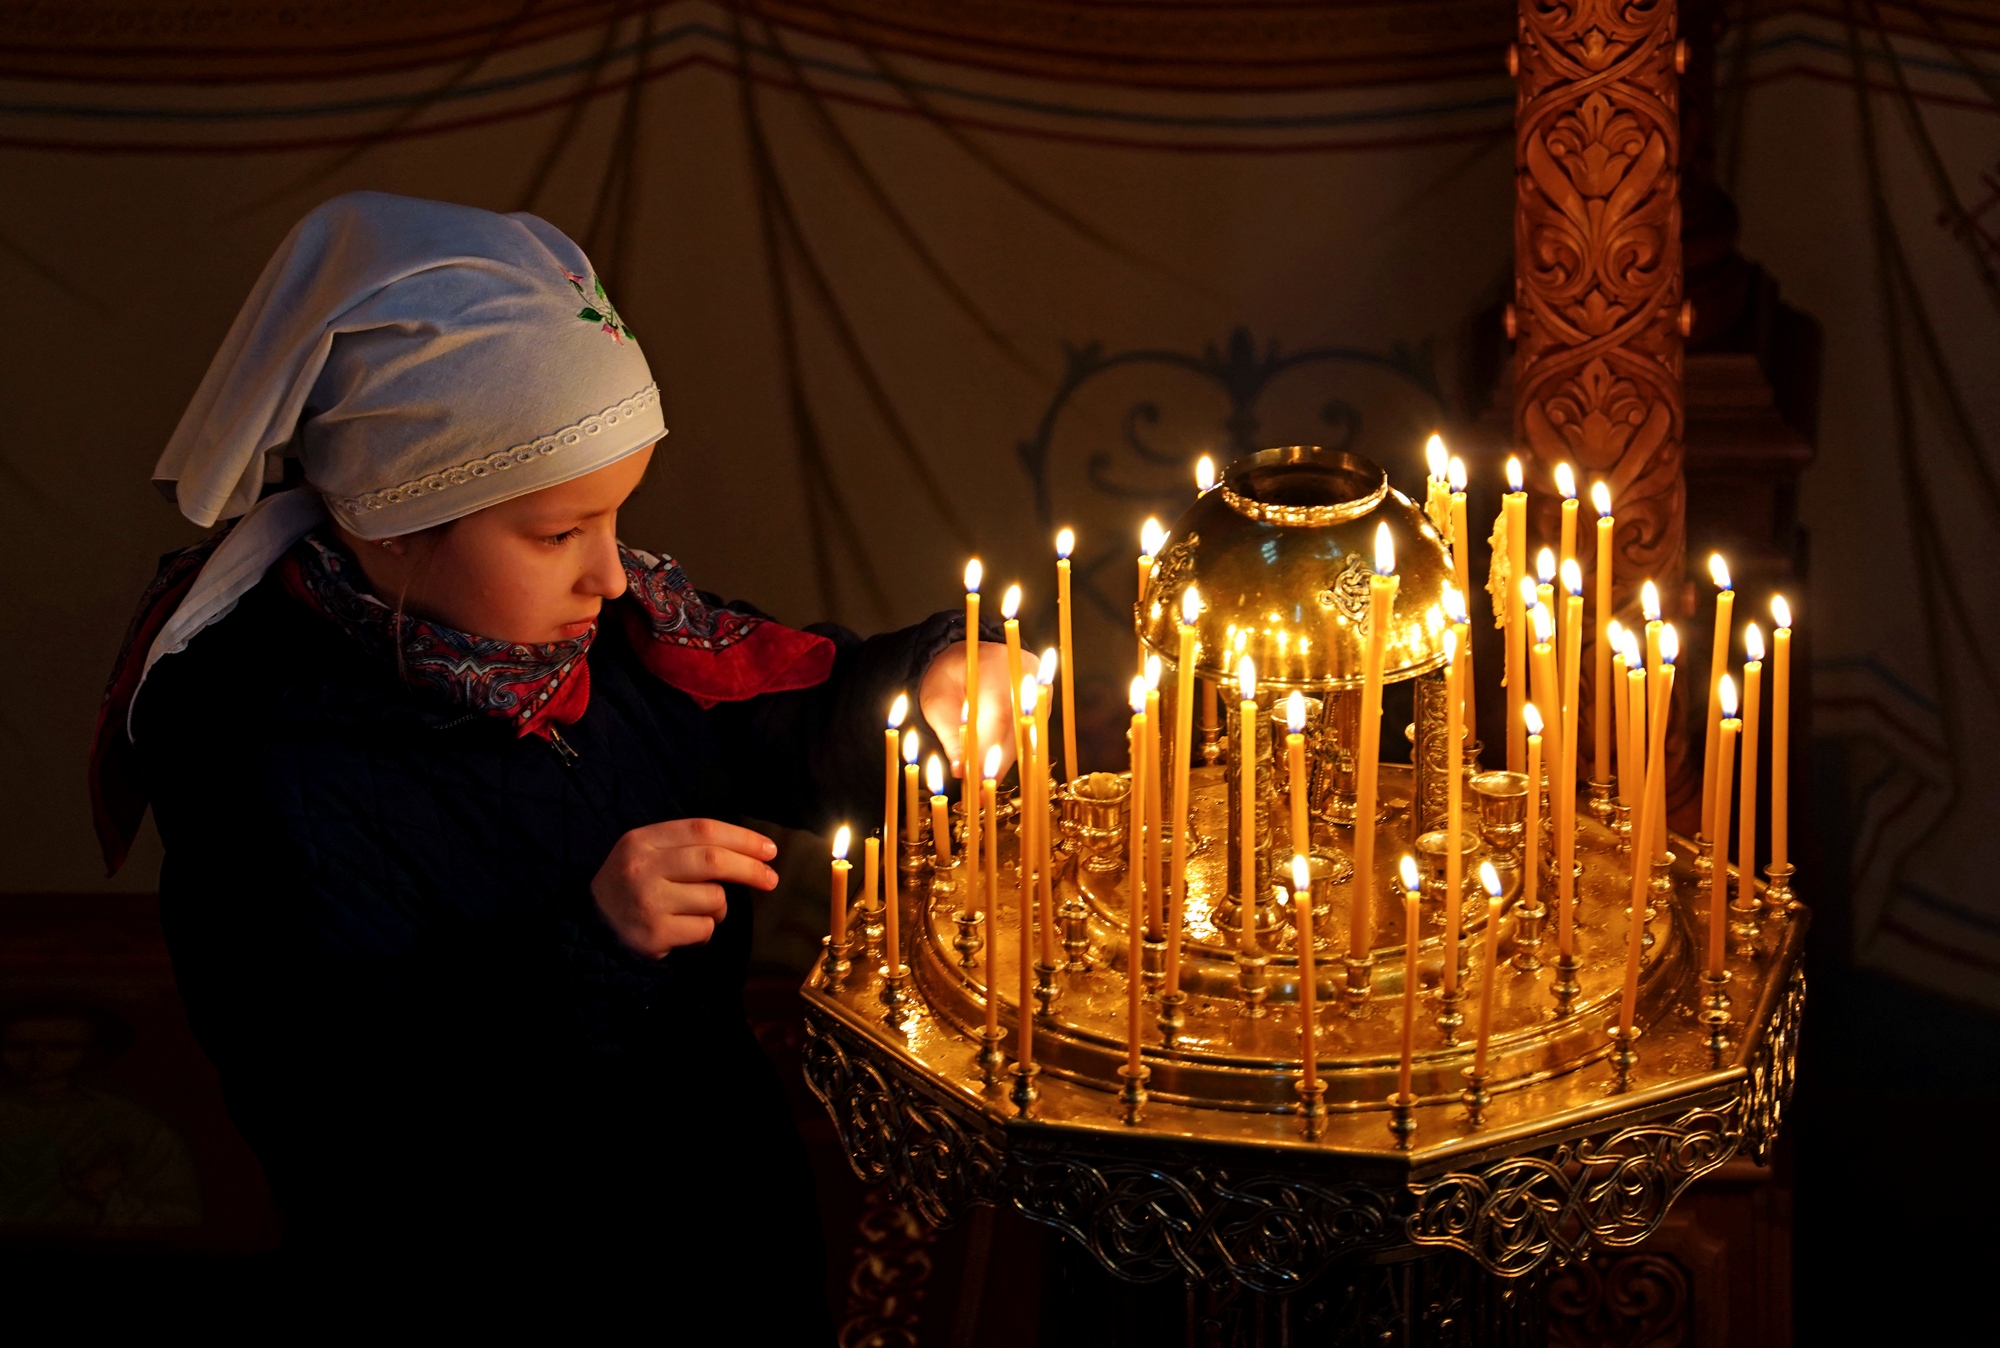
598, 308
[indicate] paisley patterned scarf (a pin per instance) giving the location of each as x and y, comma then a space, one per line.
712, 654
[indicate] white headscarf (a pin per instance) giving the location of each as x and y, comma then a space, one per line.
423, 360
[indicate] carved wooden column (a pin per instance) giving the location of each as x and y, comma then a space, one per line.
1597, 318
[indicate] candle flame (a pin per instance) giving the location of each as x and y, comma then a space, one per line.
1246, 678
1600, 496
993, 763
1545, 627
1295, 713
1301, 875
1489, 879
1152, 672
840, 844
1566, 481
1457, 474
1190, 606
1030, 694
899, 711
1670, 644
1437, 456
1385, 550
1718, 570
1010, 603
1614, 632
973, 574
1545, 566
934, 775
1242, 640
1046, 671
1065, 543
1634, 659
1151, 537
1533, 716
1138, 694
1753, 642
1781, 612
1528, 596
1572, 575
1408, 870
910, 746
1725, 693
1649, 601
1204, 474
1451, 645
1514, 477
1454, 603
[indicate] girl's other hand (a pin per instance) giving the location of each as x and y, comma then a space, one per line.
941, 697
661, 887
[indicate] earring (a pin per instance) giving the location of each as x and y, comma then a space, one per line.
388, 545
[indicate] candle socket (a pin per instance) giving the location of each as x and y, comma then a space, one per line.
1624, 1057
1778, 888
1566, 987
895, 998
1252, 974
1024, 1093
1704, 858
914, 858
992, 1058
1450, 1018
870, 916
1715, 1013
1600, 802
1746, 925
1355, 996
1622, 814
1403, 1119
1659, 894
1211, 745
1172, 1017
835, 963
1503, 817
969, 941
1153, 963
1075, 926
1528, 936
1133, 1097
1312, 1106
1048, 992
1475, 1096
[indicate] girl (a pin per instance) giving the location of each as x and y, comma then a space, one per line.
448, 777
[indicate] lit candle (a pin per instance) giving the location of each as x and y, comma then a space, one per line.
899, 712
1135, 907
1746, 830
1545, 595
1454, 782
1246, 726
1718, 827
841, 866
1204, 475
1151, 539
871, 869
1651, 824
912, 830
1024, 734
1548, 698
1156, 813
1600, 496
1514, 518
1034, 776
1045, 825
1209, 708
1614, 638
969, 750
1718, 669
1572, 579
1368, 753
1461, 564
1634, 748
1183, 759
1065, 544
1566, 485
974, 810
1295, 770
940, 812
1412, 929
1302, 918
1437, 492
1781, 735
1531, 868
1649, 604
989, 799
1489, 880
1010, 614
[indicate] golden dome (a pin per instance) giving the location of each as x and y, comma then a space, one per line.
1281, 551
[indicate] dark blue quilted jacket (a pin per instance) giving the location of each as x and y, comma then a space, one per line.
380, 918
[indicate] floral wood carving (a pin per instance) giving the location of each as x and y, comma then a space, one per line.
1597, 313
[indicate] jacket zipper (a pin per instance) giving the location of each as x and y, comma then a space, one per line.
564, 750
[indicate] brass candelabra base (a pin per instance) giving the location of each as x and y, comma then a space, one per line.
1715, 1012
1252, 970
1312, 1107
1475, 1097
1403, 1120
1133, 1097
1566, 985
1024, 1093
1355, 995
1624, 1057
970, 940
835, 963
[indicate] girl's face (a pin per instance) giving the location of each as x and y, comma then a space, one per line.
531, 570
